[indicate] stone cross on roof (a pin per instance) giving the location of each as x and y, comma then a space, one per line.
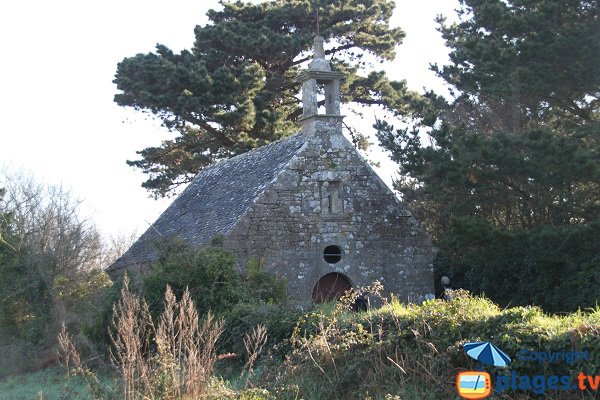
319, 63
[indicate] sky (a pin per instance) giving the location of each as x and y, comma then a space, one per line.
58, 120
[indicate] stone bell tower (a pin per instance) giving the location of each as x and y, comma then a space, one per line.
317, 79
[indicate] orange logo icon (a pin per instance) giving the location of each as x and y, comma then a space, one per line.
473, 385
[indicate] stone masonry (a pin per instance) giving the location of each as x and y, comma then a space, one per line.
290, 203
328, 195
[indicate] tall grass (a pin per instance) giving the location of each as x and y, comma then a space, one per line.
394, 351
174, 359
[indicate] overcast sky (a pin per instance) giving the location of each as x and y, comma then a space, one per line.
58, 120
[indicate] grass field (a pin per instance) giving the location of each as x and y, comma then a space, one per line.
397, 351
49, 384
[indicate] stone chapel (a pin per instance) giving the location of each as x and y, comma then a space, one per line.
309, 206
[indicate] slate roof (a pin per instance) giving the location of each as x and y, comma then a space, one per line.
214, 201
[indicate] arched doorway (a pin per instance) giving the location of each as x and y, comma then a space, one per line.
330, 287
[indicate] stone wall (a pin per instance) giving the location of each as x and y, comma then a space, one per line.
328, 195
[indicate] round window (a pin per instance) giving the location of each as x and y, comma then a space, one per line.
332, 254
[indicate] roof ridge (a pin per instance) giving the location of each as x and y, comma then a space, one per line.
246, 153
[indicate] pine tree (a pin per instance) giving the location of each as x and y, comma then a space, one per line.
506, 174
235, 89
518, 145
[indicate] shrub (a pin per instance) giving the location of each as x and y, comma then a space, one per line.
264, 287
49, 260
415, 351
97, 329
554, 267
208, 273
278, 319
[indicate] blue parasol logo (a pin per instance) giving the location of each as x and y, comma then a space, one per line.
487, 353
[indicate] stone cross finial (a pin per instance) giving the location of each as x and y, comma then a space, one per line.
319, 50
319, 63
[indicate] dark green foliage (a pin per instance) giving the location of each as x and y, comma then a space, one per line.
545, 52
512, 181
264, 287
49, 261
97, 329
235, 89
13, 308
504, 174
415, 351
24, 313
209, 274
511, 213
278, 319
489, 154
214, 283
556, 268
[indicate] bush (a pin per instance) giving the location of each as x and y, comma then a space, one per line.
209, 274
50, 267
97, 329
415, 351
212, 279
264, 287
556, 268
278, 319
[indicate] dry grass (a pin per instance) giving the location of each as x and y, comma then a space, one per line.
254, 342
172, 360
69, 357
